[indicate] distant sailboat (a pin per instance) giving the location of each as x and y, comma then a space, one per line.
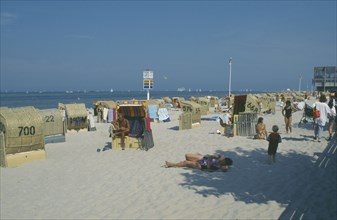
111, 90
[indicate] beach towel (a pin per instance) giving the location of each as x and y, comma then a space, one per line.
105, 114
135, 111
163, 114
147, 123
214, 118
153, 111
92, 126
301, 105
136, 127
110, 115
148, 140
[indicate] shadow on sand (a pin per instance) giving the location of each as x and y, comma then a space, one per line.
308, 126
108, 146
297, 139
320, 195
252, 180
175, 128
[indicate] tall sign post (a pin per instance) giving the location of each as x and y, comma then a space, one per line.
324, 69
230, 82
230, 76
148, 82
299, 84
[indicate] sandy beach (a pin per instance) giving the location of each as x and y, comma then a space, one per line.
76, 181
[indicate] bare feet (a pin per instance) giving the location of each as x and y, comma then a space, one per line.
168, 164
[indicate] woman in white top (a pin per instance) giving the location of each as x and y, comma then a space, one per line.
320, 122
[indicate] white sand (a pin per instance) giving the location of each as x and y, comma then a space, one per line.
77, 182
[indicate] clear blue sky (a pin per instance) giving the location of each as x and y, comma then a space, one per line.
98, 45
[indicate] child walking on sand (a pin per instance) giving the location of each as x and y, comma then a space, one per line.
274, 139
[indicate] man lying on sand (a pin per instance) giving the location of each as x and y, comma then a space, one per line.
208, 162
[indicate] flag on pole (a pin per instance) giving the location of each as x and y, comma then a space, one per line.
230, 60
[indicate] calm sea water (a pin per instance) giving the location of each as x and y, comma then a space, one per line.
46, 100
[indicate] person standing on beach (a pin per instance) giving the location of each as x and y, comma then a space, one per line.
320, 122
332, 116
287, 113
122, 128
274, 139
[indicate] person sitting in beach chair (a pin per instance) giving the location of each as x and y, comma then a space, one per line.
121, 128
203, 162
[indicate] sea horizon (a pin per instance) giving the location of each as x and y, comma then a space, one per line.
51, 99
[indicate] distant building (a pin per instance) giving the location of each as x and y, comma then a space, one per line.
325, 78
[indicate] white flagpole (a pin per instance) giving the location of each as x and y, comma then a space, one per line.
230, 77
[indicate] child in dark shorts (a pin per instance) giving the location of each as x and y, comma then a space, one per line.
274, 139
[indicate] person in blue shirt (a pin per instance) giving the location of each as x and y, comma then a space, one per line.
203, 162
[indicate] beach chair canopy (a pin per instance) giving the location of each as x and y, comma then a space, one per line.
213, 100
132, 108
76, 110
193, 99
246, 103
268, 102
22, 129
53, 122
77, 116
194, 108
189, 106
109, 104
134, 111
157, 102
178, 100
202, 101
167, 99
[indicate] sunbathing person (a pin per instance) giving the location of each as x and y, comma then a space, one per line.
203, 162
121, 128
261, 131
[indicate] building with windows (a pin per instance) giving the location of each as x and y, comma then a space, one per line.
325, 78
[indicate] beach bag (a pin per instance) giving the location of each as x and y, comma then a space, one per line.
316, 113
148, 140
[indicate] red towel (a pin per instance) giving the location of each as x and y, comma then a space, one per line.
148, 123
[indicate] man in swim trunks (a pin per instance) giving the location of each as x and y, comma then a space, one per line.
122, 128
208, 162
